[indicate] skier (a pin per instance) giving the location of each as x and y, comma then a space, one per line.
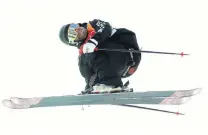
103, 70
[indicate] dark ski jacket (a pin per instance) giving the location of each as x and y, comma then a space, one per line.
104, 33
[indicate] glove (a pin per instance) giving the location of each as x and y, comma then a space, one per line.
90, 46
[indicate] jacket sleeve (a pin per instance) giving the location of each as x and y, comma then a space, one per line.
102, 29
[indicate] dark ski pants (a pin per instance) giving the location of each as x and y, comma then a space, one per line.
110, 65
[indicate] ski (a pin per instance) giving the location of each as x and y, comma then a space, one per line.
24, 103
149, 97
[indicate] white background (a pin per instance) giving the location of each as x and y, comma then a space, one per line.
34, 62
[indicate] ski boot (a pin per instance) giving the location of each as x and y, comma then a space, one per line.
101, 88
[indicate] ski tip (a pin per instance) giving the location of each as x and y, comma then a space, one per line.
8, 103
15, 100
197, 91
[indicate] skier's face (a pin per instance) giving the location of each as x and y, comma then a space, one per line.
82, 33
76, 34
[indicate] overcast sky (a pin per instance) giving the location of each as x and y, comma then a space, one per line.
34, 62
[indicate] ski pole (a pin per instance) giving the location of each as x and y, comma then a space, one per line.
137, 51
140, 107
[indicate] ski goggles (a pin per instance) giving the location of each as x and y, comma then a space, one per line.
72, 34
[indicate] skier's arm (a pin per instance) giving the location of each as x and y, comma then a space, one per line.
101, 31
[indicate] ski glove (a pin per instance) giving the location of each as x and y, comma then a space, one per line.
90, 46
